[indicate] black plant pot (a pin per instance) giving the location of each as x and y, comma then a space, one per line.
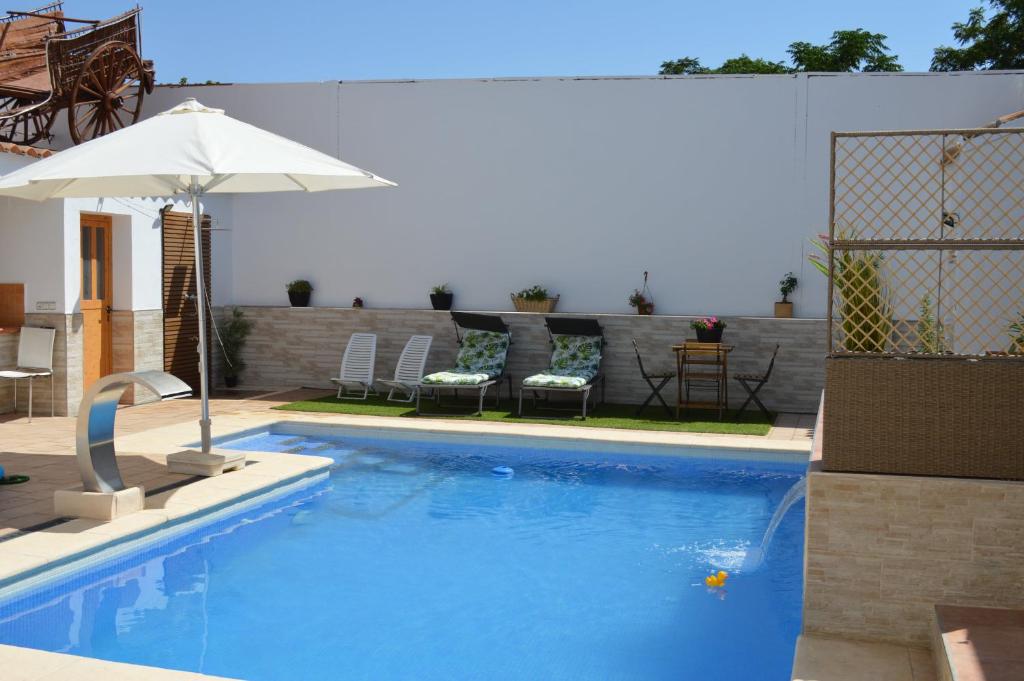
231, 381
442, 301
709, 335
299, 298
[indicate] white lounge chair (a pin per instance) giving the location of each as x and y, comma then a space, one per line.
357, 367
409, 370
35, 360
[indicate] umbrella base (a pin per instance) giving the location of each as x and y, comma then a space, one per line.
192, 462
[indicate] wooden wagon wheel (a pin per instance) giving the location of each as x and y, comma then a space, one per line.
108, 92
25, 128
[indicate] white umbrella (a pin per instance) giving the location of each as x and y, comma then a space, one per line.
189, 149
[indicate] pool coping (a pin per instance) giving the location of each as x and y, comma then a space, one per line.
715, 450
29, 664
566, 434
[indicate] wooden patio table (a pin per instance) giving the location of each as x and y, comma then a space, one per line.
713, 355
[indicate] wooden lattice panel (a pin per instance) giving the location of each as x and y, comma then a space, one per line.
926, 244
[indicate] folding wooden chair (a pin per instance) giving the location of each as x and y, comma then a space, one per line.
753, 383
662, 377
703, 366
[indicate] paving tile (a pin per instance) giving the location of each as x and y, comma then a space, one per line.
831, 659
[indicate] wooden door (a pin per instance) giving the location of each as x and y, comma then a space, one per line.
97, 296
181, 320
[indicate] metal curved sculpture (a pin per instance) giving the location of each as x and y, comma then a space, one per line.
94, 439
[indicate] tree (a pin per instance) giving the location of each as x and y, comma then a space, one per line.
745, 64
688, 66
684, 66
997, 43
854, 50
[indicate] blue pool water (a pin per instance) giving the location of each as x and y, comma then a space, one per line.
416, 561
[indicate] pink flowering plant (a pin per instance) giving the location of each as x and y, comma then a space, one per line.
707, 323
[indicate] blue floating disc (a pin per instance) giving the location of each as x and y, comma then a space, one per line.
503, 471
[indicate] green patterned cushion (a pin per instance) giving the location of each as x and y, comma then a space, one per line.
454, 378
552, 381
575, 362
481, 357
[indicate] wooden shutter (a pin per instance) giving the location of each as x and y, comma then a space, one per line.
181, 320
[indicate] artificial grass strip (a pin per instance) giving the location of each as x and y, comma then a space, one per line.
606, 416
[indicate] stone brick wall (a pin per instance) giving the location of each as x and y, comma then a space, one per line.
138, 345
8, 358
303, 346
882, 550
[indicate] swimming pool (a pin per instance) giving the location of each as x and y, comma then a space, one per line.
415, 561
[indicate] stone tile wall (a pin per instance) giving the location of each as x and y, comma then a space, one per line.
138, 345
8, 359
303, 346
882, 550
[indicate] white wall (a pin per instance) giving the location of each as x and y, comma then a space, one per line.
136, 250
713, 184
41, 248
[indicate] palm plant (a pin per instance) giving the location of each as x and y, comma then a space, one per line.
930, 338
233, 333
1016, 330
864, 305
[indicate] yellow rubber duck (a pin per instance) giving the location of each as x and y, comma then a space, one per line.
716, 580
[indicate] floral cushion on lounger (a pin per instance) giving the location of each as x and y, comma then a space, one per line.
574, 363
481, 358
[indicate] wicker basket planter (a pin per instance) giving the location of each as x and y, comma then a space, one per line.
932, 417
544, 306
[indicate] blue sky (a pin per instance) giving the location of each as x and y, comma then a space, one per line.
234, 41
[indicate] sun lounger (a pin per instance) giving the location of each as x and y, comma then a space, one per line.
357, 367
483, 356
575, 365
409, 370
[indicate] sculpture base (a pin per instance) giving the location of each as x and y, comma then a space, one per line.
192, 462
77, 503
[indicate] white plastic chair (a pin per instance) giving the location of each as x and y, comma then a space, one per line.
357, 367
35, 360
409, 370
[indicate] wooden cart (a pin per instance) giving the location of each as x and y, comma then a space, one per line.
96, 72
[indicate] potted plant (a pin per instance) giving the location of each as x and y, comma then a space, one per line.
709, 329
1016, 330
441, 297
233, 333
299, 292
357, 303
642, 299
865, 306
784, 308
534, 299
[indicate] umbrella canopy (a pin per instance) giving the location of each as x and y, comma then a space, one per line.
165, 154
189, 149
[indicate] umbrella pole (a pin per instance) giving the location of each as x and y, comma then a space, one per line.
197, 222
